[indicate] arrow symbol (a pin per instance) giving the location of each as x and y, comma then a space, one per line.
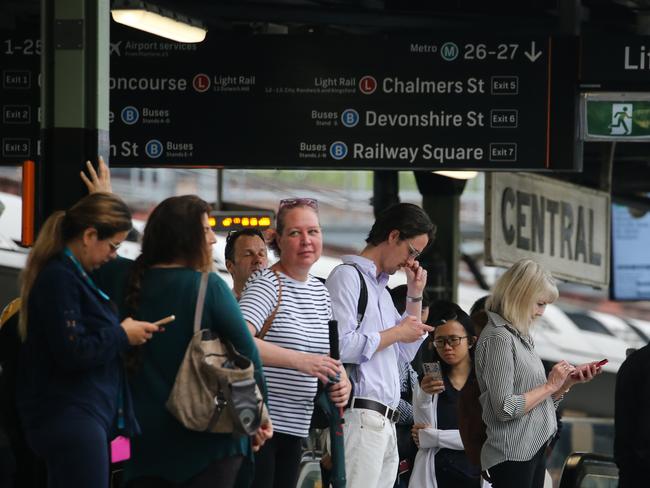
533, 55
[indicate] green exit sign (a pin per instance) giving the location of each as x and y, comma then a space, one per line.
622, 117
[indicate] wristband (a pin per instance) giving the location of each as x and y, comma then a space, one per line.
413, 299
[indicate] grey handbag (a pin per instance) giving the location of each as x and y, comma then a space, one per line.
215, 389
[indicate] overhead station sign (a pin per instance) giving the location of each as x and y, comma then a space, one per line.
615, 62
562, 226
335, 102
338, 102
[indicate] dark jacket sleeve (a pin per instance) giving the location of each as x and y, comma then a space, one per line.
626, 414
76, 339
226, 319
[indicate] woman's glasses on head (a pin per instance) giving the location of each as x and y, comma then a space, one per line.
298, 202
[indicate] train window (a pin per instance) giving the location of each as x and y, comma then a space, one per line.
639, 332
589, 324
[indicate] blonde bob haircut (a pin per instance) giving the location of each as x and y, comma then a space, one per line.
518, 289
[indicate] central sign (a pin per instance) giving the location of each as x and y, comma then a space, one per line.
562, 226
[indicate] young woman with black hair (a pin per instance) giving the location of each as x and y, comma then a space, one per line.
441, 460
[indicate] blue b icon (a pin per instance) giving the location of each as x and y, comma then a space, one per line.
350, 117
130, 115
153, 148
338, 150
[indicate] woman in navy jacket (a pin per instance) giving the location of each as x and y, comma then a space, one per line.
71, 393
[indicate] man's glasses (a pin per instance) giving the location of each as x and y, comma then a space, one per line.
414, 253
453, 341
298, 202
114, 247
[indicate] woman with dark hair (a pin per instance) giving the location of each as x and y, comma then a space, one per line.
441, 460
295, 349
71, 391
163, 281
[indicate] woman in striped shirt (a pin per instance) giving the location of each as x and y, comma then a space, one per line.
517, 398
295, 349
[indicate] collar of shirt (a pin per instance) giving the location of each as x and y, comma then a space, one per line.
368, 268
499, 321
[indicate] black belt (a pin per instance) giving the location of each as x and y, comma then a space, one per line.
389, 413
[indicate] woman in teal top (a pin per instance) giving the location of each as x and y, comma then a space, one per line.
163, 281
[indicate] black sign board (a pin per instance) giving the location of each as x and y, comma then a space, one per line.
277, 101
19, 98
615, 62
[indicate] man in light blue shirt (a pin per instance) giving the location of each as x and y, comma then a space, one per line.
384, 338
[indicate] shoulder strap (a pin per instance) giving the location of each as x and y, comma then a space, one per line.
269, 320
198, 312
362, 303
10, 310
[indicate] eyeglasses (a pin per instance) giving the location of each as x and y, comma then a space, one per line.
235, 233
453, 341
414, 253
114, 247
298, 202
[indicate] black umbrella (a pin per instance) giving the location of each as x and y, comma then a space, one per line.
334, 415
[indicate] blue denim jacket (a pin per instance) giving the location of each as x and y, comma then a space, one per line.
73, 352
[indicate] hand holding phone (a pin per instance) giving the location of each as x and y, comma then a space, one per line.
598, 364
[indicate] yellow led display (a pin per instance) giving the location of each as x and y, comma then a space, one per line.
234, 220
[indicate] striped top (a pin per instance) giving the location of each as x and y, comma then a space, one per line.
507, 366
300, 324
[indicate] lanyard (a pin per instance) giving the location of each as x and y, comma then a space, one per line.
91, 283
84, 275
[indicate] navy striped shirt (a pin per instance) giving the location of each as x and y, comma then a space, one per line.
507, 366
301, 324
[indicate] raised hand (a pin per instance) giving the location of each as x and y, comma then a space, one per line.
97, 181
416, 278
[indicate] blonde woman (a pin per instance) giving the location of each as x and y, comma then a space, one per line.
517, 397
295, 349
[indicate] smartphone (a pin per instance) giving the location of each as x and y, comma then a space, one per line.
433, 370
165, 321
599, 364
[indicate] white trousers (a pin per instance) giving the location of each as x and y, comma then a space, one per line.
371, 457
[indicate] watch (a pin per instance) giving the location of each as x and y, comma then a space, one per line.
413, 299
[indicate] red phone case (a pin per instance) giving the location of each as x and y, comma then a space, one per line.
599, 364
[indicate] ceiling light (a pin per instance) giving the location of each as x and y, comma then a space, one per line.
159, 21
459, 175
